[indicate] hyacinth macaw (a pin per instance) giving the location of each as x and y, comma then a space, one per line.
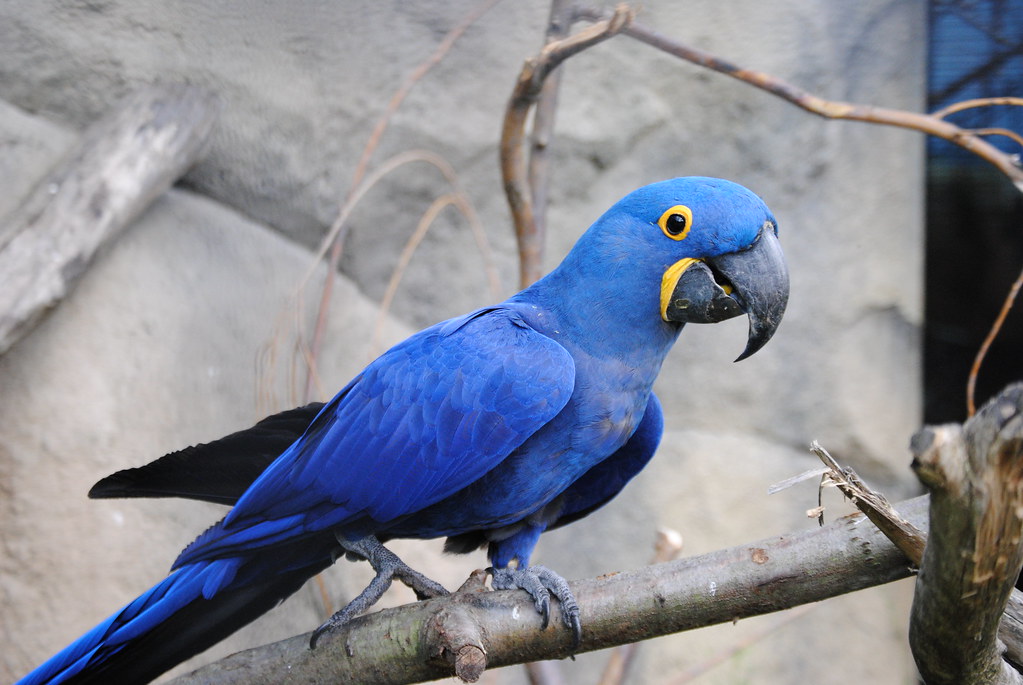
486, 429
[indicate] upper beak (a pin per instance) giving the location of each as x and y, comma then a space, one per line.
754, 281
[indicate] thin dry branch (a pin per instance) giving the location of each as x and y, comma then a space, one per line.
766, 631
524, 96
834, 109
558, 26
295, 310
460, 201
975, 550
974, 103
996, 327
1004, 132
534, 72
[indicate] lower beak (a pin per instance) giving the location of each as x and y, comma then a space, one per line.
754, 281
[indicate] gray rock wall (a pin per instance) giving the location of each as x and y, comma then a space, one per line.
180, 333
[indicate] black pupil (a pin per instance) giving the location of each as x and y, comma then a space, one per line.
675, 224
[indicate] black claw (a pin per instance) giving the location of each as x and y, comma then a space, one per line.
540, 583
577, 629
544, 607
315, 637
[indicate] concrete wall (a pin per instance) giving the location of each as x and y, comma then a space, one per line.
182, 331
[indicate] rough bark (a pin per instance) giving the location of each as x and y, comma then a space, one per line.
975, 547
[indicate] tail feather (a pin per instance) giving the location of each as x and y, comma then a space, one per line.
192, 609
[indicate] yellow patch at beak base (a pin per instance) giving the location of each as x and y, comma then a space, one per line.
670, 279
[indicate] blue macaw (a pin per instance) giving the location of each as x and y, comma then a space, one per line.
486, 429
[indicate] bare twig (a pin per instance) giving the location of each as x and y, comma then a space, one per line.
765, 631
336, 233
524, 96
1007, 133
558, 26
996, 327
975, 550
833, 109
976, 102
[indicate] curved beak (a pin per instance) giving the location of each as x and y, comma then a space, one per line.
753, 281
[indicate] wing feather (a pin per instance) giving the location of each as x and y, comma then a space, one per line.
427, 418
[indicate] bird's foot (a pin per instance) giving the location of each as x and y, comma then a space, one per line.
541, 582
388, 567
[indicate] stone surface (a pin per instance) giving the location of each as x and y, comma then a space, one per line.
29, 147
167, 341
182, 333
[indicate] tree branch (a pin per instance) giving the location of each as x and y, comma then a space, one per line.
524, 96
558, 26
121, 164
833, 109
529, 232
975, 550
423, 641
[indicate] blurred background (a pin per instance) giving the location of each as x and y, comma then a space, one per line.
198, 320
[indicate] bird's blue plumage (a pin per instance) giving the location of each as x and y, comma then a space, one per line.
487, 429
436, 412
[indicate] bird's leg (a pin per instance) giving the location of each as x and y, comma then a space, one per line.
388, 567
541, 582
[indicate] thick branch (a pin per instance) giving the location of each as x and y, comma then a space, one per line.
975, 549
121, 164
420, 641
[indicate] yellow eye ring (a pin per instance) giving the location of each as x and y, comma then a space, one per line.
676, 222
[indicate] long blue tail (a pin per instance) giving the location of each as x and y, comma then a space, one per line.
193, 608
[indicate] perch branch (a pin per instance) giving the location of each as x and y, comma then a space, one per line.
402, 644
912, 541
975, 551
120, 165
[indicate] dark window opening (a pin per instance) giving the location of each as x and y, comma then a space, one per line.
974, 214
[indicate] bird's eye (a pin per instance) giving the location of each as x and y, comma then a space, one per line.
676, 222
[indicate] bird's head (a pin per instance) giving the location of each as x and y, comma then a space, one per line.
711, 245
